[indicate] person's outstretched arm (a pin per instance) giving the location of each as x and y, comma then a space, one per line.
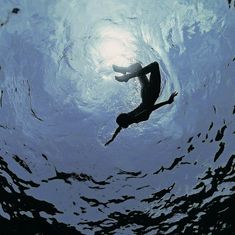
114, 135
169, 101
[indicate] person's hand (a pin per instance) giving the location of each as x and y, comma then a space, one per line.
171, 99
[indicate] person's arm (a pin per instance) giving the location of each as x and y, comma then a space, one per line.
114, 135
169, 101
157, 106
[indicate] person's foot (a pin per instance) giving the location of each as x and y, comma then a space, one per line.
123, 78
119, 69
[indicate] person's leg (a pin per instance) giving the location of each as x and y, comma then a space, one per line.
130, 69
134, 68
153, 67
155, 81
150, 91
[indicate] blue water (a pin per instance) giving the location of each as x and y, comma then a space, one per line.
59, 101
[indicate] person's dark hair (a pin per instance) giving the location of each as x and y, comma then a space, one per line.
123, 120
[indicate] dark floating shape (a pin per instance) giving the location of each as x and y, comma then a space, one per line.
190, 139
146, 186
220, 133
211, 125
160, 170
175, 163
1, 98
44, 156
172, 166
220, 151
214, 109
22, 163
190, 148
130, 174
158, 195
15, 10
67, 177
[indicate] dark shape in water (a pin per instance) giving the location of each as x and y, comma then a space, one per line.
172, 166
211, 125
175, 163
44, 156
75, 176
190, 148
220, 151
16, 203
190, 139
1, 97
214, 109
22, 163
159, 195
15, 10
160, 170
220, 133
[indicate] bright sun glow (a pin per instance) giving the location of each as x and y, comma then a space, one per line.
115, 46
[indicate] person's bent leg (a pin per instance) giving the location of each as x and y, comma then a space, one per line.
130, 69
153, 67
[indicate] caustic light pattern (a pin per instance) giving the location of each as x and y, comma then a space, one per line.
173, 174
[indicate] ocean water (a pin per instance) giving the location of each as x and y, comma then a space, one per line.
173, 174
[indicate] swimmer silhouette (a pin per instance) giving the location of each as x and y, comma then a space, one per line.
150, 90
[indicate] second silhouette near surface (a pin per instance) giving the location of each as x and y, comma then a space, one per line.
150, 90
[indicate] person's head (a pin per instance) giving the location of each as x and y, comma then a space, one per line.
123, 120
